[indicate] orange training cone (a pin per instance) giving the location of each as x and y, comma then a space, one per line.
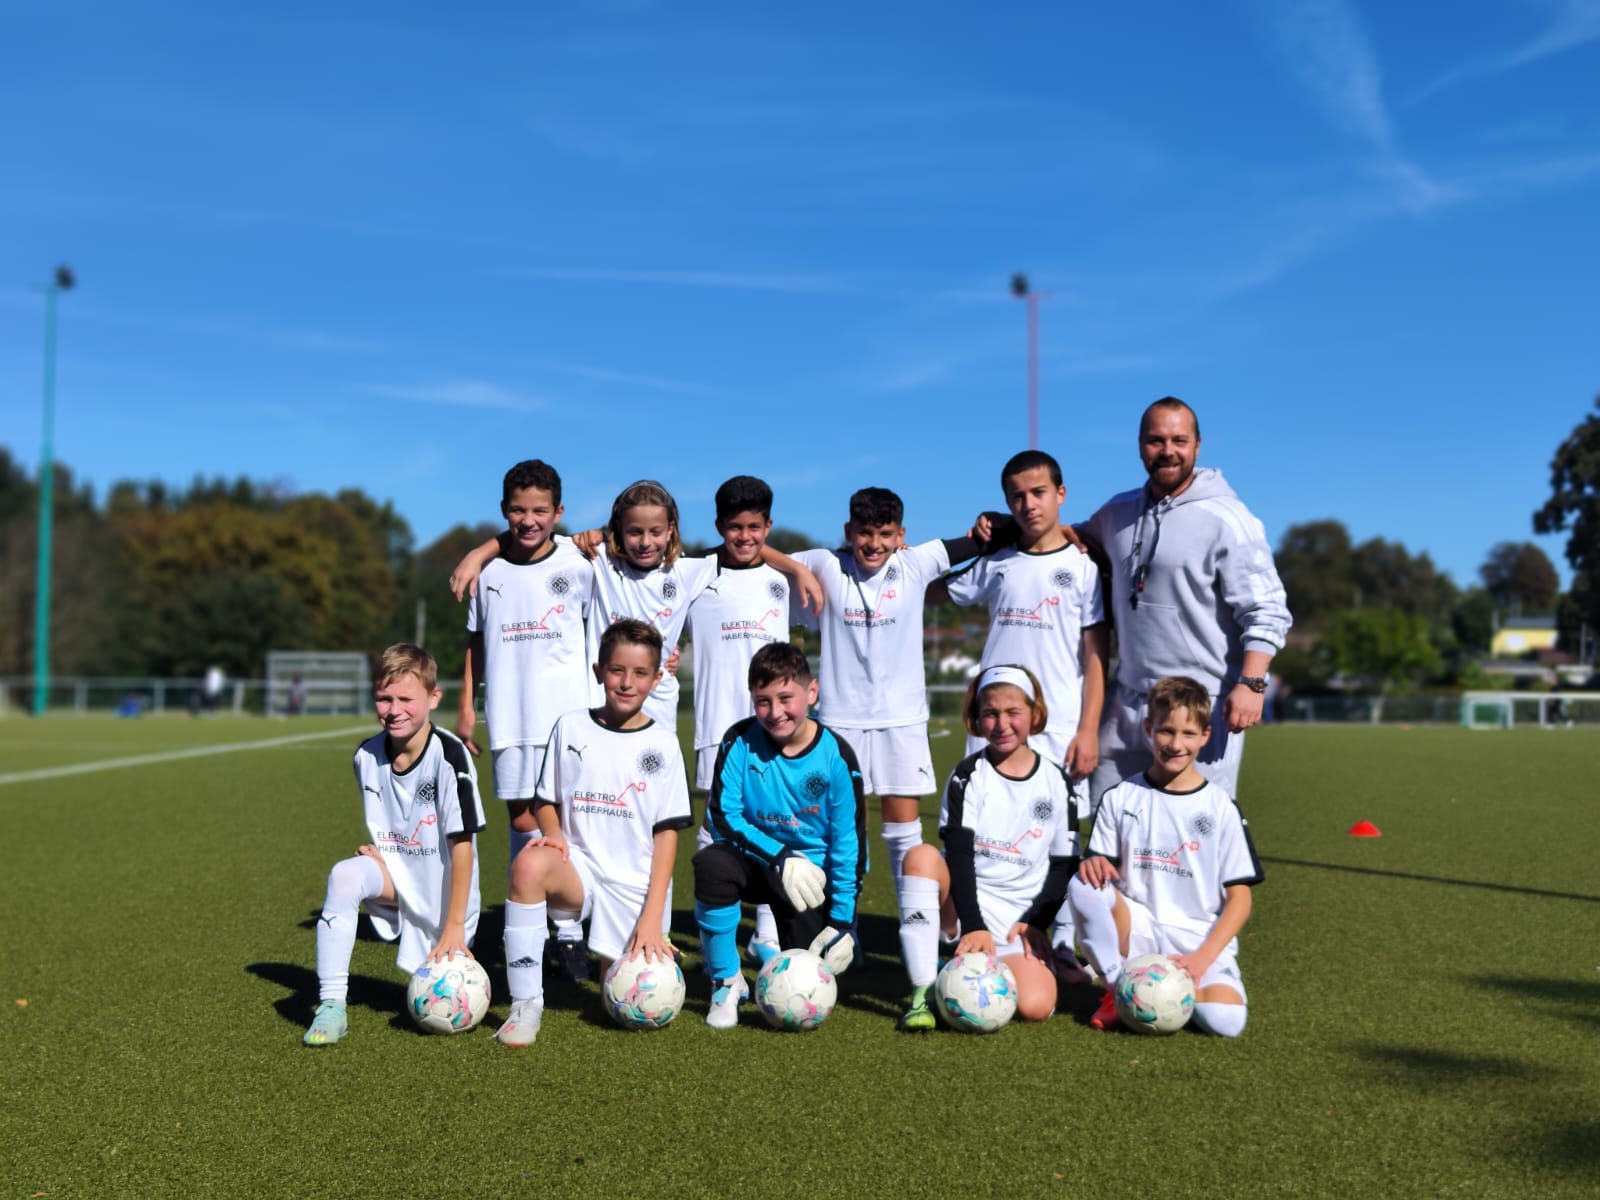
1365, 829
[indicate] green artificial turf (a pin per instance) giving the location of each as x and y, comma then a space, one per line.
1425, 1008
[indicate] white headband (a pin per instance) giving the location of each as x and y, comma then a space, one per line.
1015, 676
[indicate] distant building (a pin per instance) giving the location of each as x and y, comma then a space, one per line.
1523, 635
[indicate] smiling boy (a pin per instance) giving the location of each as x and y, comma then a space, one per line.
788, 820
1170, 867
526, 627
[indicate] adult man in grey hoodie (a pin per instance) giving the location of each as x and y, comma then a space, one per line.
1194, 592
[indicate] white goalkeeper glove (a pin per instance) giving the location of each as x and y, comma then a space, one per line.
804, 883
836, 947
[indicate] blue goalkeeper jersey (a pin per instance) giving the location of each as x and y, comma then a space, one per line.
764, 803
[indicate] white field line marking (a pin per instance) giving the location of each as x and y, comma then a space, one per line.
139, 760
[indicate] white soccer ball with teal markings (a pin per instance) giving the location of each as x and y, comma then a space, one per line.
641, 994
450, 996
1153, 995
975, 993
795, 990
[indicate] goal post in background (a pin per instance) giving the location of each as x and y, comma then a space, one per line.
331, 683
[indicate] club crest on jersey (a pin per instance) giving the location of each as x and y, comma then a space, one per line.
559, 584
815, 785
777, 590
669, 589
427, 793
892, 574
651, 761
1042, 810
1202, 825
1062, 578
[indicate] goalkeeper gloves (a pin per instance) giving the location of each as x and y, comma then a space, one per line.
804, 883
836, 947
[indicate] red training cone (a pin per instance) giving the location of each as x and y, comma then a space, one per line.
1365, 829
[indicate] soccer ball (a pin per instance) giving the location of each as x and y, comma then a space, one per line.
641, 994
975, 993
450, 996
1153, 995
795, 990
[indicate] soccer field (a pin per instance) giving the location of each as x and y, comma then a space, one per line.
1425, 1007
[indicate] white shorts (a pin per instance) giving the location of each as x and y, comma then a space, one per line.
1051, 744
516, 771
1125, 751
705, 767
1146, 937
894, 762
612, 911
393, 923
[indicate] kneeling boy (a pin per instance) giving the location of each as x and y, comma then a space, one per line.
788, 820
1177, 855
418, 877
611, 798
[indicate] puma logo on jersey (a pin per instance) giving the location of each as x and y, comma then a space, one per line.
578, 750
489, 587
373, 790
712, 587
325, 919
925, 771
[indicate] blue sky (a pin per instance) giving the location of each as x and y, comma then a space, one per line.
385, 247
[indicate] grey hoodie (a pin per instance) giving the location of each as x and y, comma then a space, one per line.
1210, 589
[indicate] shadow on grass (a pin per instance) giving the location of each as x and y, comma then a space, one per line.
1567, 991
1417, 1066
1515, 889
1567, 1146
384, 996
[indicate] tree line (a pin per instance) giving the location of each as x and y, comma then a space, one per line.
166, 581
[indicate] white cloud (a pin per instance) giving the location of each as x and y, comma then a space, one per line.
456, 393
1573, 24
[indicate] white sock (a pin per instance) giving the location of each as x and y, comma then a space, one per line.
1223, 1020
1097, 928
526, 925
568, 928
349, 883
518, 838
900, 836
919, 928
1065, 930
766, 925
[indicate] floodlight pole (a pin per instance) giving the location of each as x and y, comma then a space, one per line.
1021, 289
62, 282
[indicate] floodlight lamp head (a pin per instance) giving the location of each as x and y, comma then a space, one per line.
65, 279
1019, 285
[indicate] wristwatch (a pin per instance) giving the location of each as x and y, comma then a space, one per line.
1256, 683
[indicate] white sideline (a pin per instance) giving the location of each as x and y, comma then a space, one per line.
139, 760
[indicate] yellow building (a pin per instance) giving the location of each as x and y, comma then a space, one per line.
1523, 635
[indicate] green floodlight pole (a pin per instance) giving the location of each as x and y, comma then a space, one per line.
62, 282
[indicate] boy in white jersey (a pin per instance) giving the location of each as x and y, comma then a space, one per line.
743, 607
873, 692
611, 799
1046, 613
418, 877
1170, 867
526, 622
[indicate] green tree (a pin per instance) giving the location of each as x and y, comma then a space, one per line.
1574, 505
1315, 562
1520, 578
1473, 620
1387, 575
1387, 646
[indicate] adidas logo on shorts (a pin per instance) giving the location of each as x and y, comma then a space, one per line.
524, 961
916, 918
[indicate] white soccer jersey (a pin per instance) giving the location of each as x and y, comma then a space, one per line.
871, 675
1017, 826
536, 665
740, 610
1039, 606
1176, 852
410, 815
660, 597
616, 790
